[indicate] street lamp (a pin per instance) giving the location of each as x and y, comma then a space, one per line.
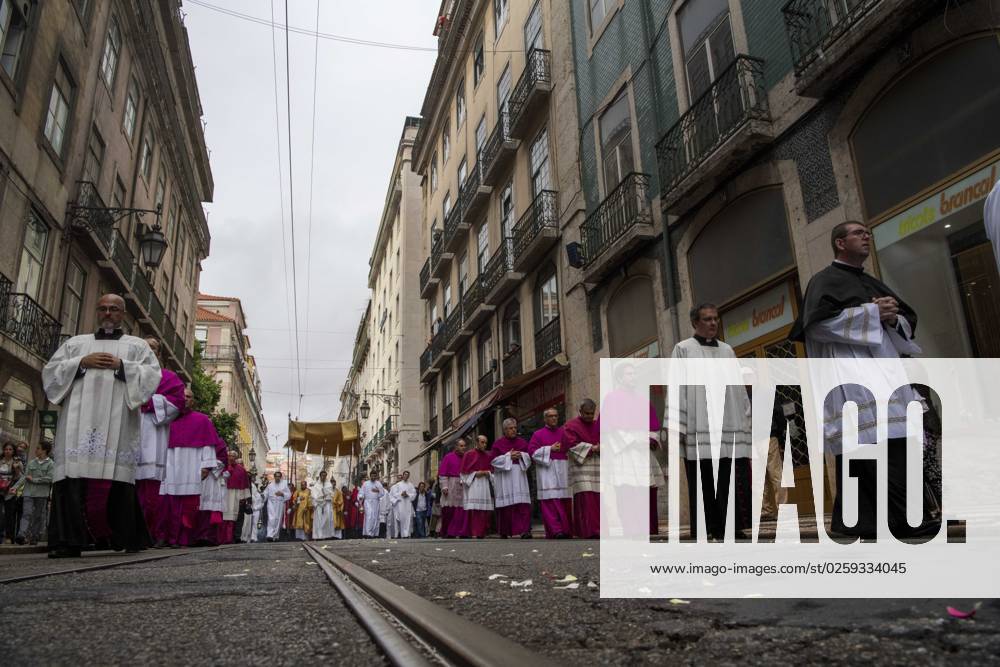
365, 409
153, 244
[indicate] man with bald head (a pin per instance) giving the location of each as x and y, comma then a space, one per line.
100, 380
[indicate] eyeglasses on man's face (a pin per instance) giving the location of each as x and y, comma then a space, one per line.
109, 309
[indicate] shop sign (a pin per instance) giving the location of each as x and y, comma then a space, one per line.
48, 418
969, 191
762, 315
22, 418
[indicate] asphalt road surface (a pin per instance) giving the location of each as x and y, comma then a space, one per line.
257, 604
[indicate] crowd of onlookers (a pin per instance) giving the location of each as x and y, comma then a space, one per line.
25, 483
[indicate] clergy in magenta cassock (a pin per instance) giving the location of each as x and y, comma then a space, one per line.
477, 500
191, 456
401, 496
583, 438
511, 461
157, 413
237, 494
100, 381
549, 452
449, 477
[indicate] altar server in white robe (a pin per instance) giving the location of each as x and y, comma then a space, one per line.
250, 522
401, 496
852, 316
322, 497
100, 381
276, 495
370, 497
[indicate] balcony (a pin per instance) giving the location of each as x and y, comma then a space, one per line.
474, 197
26, 323
512, 366
453, 332
620, 223
455, 230
464, 400
536, 232
427, 368
499, 278
831, 39
432, 426
530, 92
440, 259
391, 427
475, 310
446, 416
723, 128
428, 283
486, 383
218, 353
498, 151
547, 343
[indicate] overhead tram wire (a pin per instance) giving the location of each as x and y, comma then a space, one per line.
281, 177
312, 170
291, 206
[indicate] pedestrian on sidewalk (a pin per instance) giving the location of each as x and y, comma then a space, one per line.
421, 504
37, 486
10, 472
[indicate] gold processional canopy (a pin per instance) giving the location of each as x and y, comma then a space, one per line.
324, 438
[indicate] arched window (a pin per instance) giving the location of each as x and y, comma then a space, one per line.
632, 320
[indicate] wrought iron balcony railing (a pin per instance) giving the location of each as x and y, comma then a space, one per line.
465, 400
26, 322
426, 358
814, 25
391, 426
472, 298
736, 97
626, 206
547, 342
473, 196
500, 263
543, 213
437, 248
486, 383
432, 426
537, 75
221, 353
453, 225
446, 415
425, 278
512, 366
499, 145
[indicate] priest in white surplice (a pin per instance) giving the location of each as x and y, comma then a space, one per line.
276, 495
401, 496
370, 496
322, 498
100, 380
511, 460
850, 315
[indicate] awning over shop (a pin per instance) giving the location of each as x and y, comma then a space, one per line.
324, 438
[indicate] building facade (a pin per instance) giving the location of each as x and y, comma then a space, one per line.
497, 157
220, 327
101, 139
383, 380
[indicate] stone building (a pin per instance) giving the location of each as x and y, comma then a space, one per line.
101, 139
497, 156
220, 327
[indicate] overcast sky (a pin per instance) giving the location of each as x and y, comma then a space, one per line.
362, 96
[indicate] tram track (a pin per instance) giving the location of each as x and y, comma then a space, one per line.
411, 630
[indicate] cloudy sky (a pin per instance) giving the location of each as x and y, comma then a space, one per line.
363, 94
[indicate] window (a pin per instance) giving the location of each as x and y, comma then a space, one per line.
191, 263
462, 172
540, 176
118, 197
181, 254
95, 156
484, 352
482, 248
463, 275
460, 109
512, 327
112, 47
434, 319
616, 142
29, 273
480, 136
533, 38
171, 220
464, 372
201, 334
146, 157
13, 28
174, 305
478, 61
599, 9
445, 144
73, 298
434, 172
501, 13
432, 400
131, 109
57, 115
632, 320
446, 205
503, 90
161, 188
182, 328
447, 301
707, 39
507, 210
546, 298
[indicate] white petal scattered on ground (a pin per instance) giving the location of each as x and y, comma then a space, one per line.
521, 584
388, 550
438, 549
246, 570
534, 551
505, 555
678, 601
238, 574
526, 590
498, 576
587, 554
452, 551
278, 561
325, 546
375, 561
591, 584
565, 580
463, 594
310, 562
567, 587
